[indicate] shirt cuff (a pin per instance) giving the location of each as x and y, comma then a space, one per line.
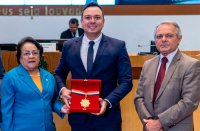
108, 102
60, 94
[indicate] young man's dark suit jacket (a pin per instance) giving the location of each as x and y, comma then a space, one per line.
68, 35
111, 66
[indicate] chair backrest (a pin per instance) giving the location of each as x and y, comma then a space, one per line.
8, 46
153, 47
2, 69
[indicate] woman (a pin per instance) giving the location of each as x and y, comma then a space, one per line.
29, 93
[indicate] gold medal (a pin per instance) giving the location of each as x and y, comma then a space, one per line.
85, 102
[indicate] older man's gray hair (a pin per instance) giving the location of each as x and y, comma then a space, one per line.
178, 30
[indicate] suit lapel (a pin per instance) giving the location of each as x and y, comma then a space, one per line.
169, 73
100, 50
153, 75
81, 68
26, 78
45, 81
79, 33
69, 34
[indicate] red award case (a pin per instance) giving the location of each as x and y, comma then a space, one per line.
85, 95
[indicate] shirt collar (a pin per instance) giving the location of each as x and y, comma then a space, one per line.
97, 40
169, 56
75, 32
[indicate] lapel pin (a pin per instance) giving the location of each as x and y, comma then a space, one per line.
46, 79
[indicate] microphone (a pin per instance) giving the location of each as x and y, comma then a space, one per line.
145, 45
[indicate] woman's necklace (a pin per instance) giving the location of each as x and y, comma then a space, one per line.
34, 75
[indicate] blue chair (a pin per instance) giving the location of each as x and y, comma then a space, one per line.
88, 1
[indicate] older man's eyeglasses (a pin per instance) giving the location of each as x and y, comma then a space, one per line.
168, 36
28, 53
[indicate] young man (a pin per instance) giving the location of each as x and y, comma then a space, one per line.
96, 56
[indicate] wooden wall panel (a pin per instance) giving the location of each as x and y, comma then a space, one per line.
130, 119
191, 52
9, 60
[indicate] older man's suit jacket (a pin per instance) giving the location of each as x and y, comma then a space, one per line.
178, 96
68, 35
111, 66
24, 108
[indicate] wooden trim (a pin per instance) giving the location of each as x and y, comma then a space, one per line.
111, 10
152, 10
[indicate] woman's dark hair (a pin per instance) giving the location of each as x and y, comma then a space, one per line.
24, 41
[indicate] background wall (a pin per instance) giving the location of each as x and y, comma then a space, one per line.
133, 29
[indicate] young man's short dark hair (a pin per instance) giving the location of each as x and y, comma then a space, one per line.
92, 4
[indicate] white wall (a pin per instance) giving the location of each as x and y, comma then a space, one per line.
133, 29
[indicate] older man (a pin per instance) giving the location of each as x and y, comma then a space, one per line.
169, 85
